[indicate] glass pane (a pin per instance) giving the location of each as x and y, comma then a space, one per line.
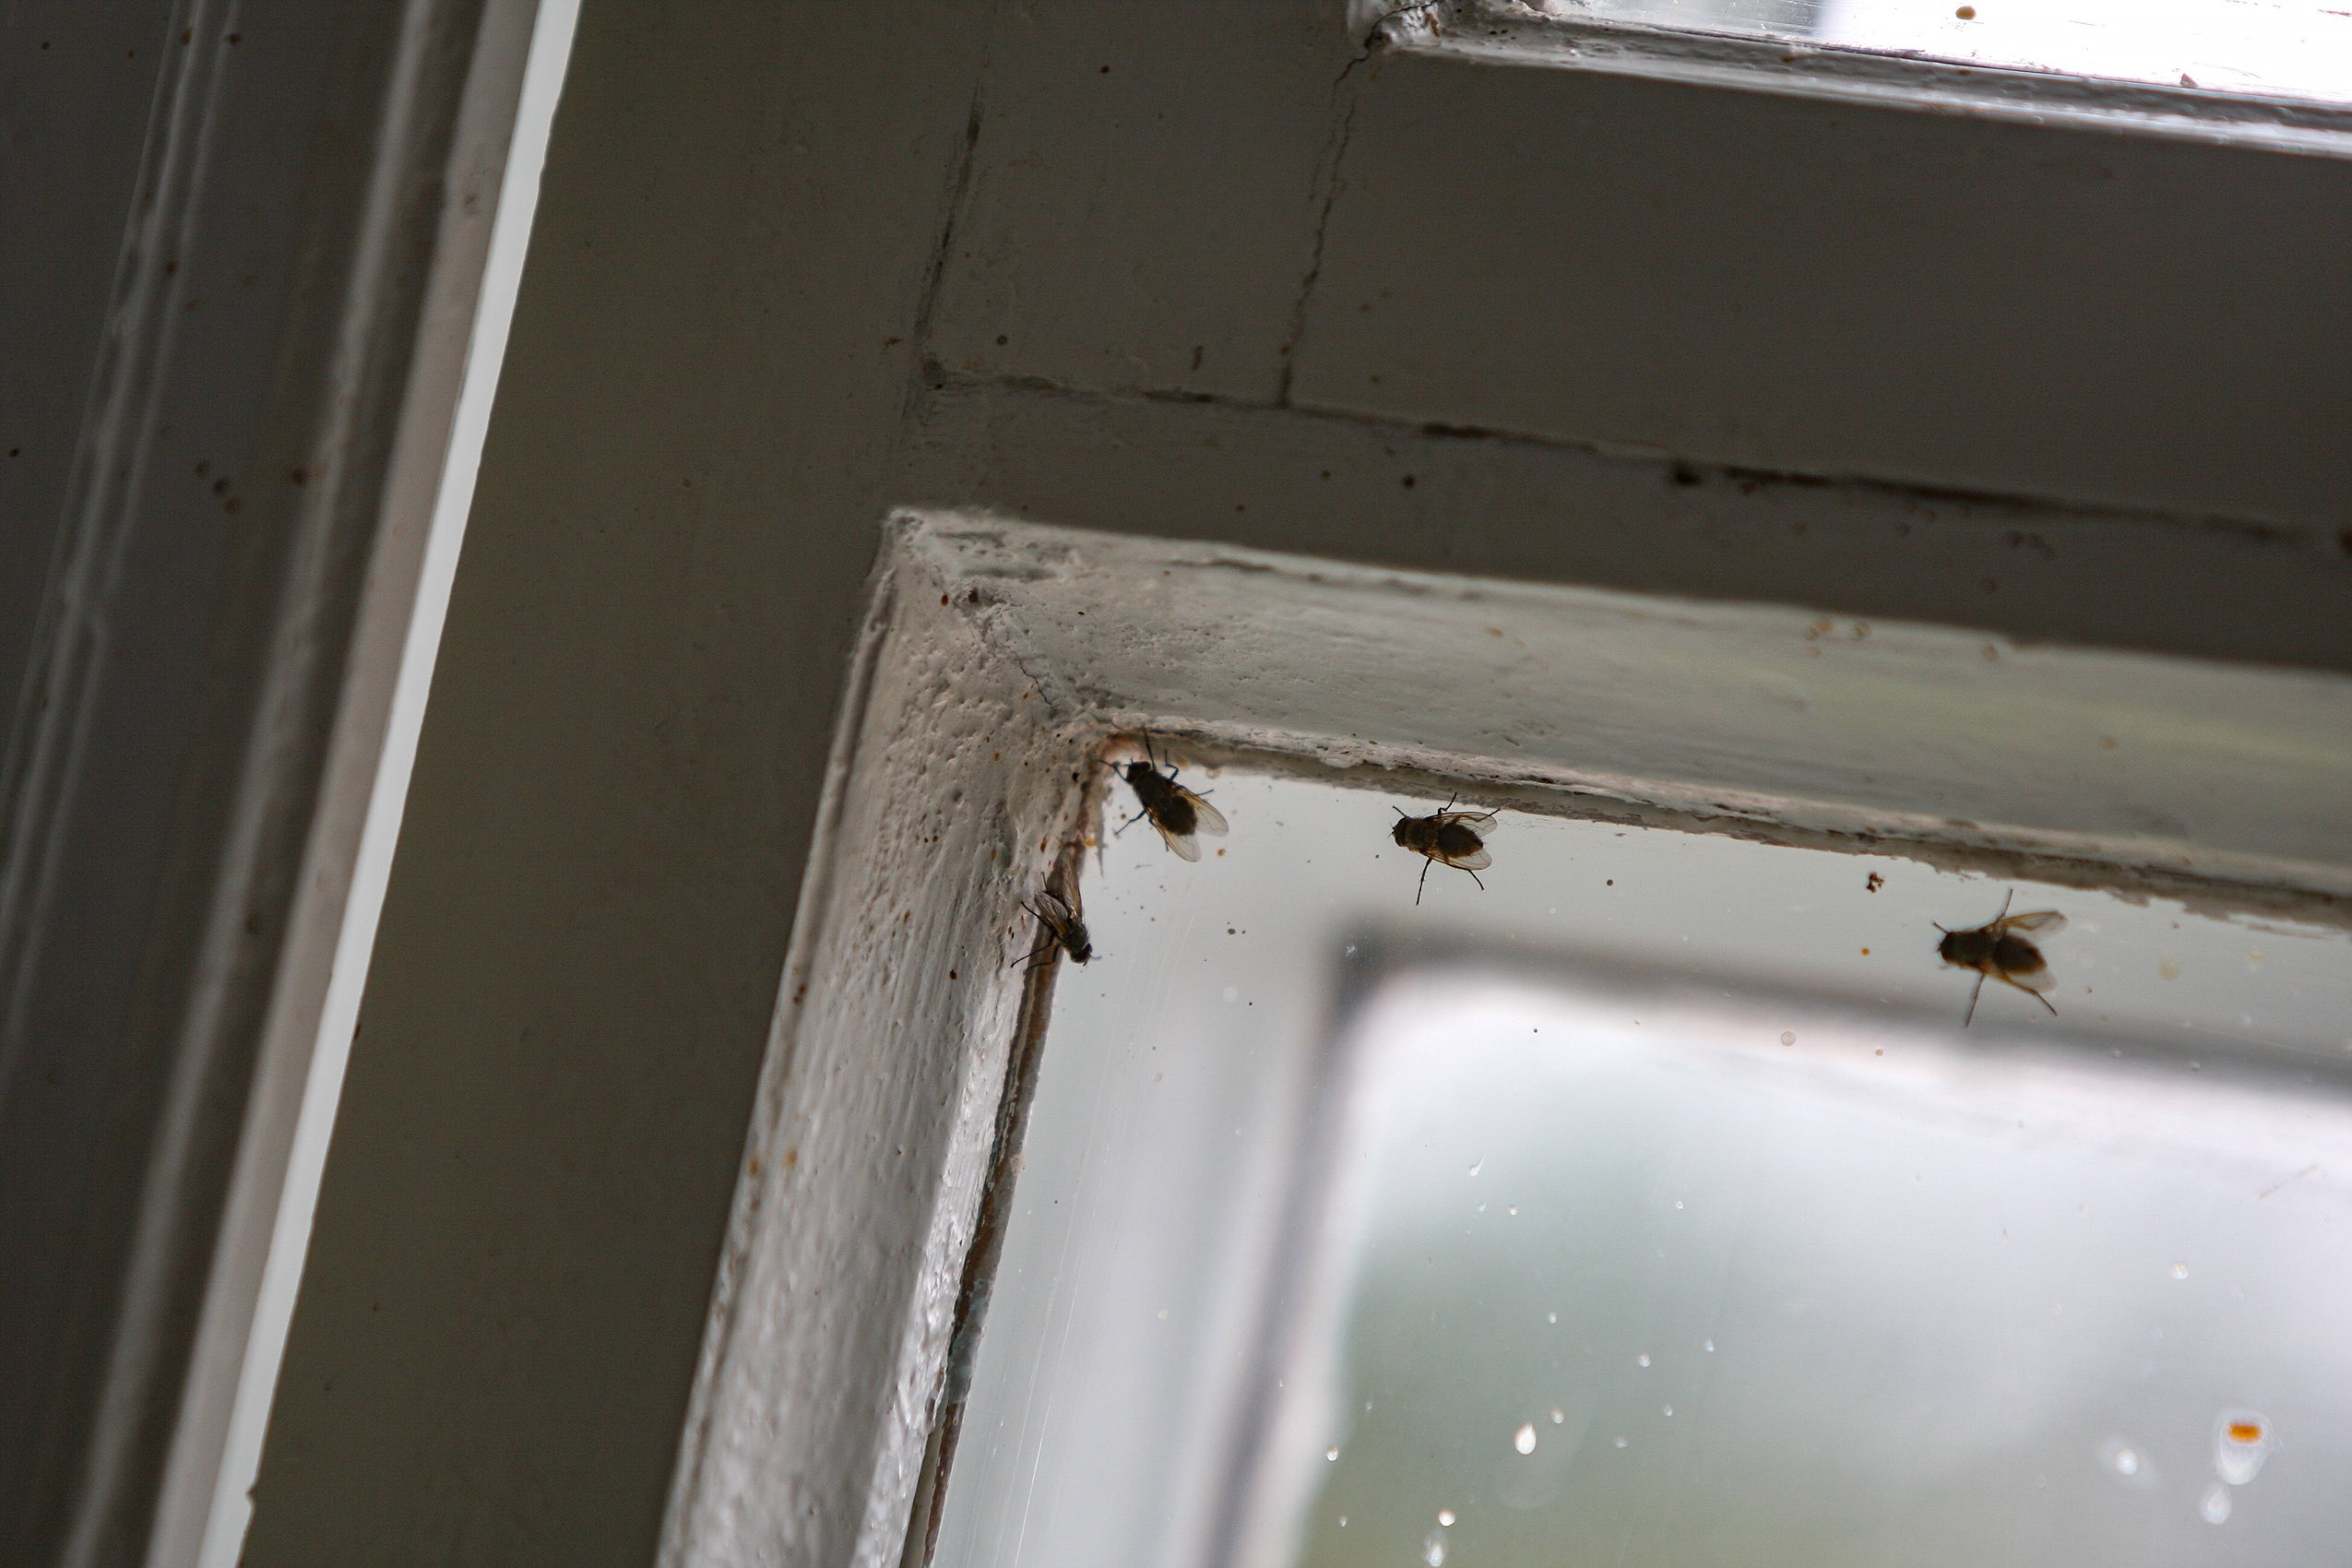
2297, 47
1650, 1205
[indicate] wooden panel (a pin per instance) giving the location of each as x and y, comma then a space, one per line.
1457, 501
998, 654
1142, 200
1797, 283
564, 1018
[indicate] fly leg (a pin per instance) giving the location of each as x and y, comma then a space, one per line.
2032, 992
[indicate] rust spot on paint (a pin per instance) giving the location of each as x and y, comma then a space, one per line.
792, 1158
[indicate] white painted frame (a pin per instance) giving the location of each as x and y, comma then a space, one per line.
999, 659
314, 289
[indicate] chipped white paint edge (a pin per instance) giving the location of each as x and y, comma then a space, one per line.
1894, 78
950, 786
1745, 714
996, 655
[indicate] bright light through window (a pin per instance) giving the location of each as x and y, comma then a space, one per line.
1616, 1289
2297, 47
1652, 1206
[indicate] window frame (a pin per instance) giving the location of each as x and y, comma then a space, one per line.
781, 250
998, 658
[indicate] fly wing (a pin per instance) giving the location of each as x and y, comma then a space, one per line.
1185, 844
2043, 920
1207, 818
1476, 860
2037, 977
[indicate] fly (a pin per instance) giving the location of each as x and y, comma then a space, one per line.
1446, 838
1996, 951
1176, 811
1063, 930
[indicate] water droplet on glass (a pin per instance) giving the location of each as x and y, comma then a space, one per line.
1432, 1550
1557, 1415
1669, 1410
2179, 1271
1643, 1359
1512, 1209
1620, 1443
2215, 1506
1477, 1165
1677, 1203
2242, 1442
1343, 1521
2129, 1464
1709, 1347
1332, 1455
1788, 1036
1445, 1516
1523, 1440
1551, 1317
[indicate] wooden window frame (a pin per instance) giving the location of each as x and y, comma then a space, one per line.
1137, 268
270, 474
997, 659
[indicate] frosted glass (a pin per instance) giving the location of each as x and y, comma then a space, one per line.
2044, 1290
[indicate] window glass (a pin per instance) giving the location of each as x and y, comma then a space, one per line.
1651, 1204
2296, 47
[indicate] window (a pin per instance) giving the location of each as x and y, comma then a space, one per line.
1651, 1206
1493, 300
1234, 1179
2267, 46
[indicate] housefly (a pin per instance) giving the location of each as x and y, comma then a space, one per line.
1063, 930
1996, 951
1176, 811
1446, 838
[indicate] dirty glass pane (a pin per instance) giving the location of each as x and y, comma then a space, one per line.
2295, 47
1651, 1206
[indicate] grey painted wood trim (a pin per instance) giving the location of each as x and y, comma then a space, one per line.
999, 658
1810, 265
205, 705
